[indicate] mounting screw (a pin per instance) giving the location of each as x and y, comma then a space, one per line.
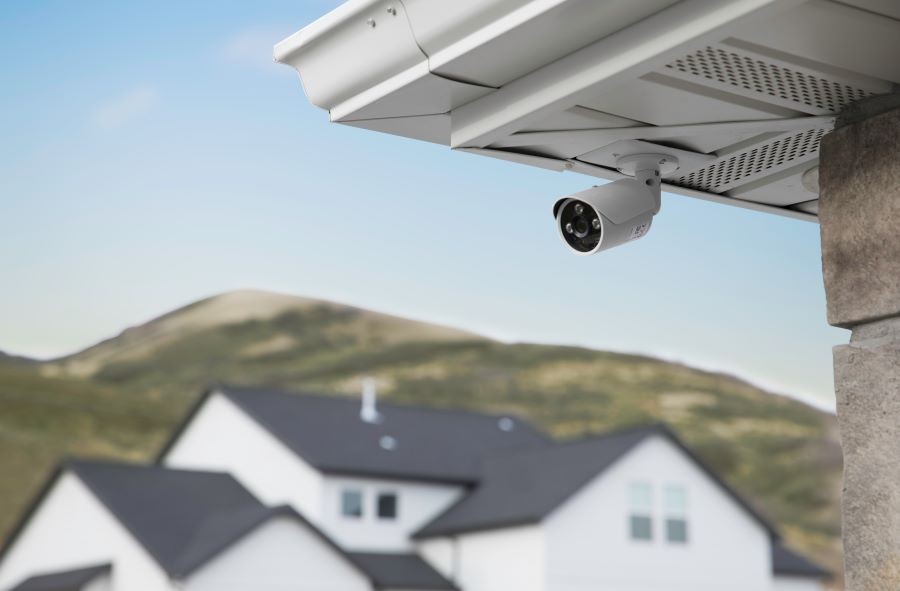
392, 11
567, 166
371, 23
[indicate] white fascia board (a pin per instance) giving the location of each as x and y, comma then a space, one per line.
626, 54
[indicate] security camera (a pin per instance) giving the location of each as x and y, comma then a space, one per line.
618, 212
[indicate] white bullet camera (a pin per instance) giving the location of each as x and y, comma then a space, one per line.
618, 212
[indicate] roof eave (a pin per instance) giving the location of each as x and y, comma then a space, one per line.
398, 476
427, 534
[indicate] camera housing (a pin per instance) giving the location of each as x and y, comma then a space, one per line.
602, 217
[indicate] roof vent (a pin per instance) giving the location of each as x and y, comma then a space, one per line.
368, 412
388, 443
506, 424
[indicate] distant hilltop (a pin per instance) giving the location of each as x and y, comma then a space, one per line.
240, 308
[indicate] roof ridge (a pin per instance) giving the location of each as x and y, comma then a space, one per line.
560, 445
413, 442
73, 462
382, 401
647, 428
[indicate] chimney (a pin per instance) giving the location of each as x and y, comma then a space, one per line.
368, 412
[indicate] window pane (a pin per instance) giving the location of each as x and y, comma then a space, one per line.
676, 500
351, 503
387, 505
641, 528
640, 496
676, 530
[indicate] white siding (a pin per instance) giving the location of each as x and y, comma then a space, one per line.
508, 559
590, 546
440, 553
282, 555
72, 529
783, 583
418, 503
222, 437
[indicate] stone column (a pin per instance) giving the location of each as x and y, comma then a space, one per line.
859, 214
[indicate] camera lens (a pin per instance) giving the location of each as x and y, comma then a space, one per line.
581, 226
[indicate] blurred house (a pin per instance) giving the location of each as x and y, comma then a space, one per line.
267, 490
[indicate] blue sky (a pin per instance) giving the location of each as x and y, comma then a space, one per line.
152, 154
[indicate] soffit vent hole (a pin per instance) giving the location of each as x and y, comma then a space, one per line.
714, 63
721, 174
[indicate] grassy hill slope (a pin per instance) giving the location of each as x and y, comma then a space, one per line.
124, 395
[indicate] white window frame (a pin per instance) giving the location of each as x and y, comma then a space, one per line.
640, 510
361, 494
676, 512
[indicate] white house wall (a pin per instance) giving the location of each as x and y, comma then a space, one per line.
222, 437
783, 583
589, 545
417, 504
440, 553
500, 560
282, 555
71, 529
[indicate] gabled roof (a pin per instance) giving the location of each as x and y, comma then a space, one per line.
524, 487
400, 571
788, 563
428, 444
70, 580
181, 517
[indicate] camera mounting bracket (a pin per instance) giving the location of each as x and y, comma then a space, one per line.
648, 169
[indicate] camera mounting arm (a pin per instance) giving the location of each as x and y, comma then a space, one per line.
649, 170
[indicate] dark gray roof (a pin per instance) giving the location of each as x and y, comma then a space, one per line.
400, 571
789, 563
524, 487
70, 580
431, 444
181, 517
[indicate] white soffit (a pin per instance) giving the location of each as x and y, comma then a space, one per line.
742, 90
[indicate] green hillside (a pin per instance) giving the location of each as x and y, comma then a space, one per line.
122, 397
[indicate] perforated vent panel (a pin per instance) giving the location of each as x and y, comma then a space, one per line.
755, 75
754, 161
